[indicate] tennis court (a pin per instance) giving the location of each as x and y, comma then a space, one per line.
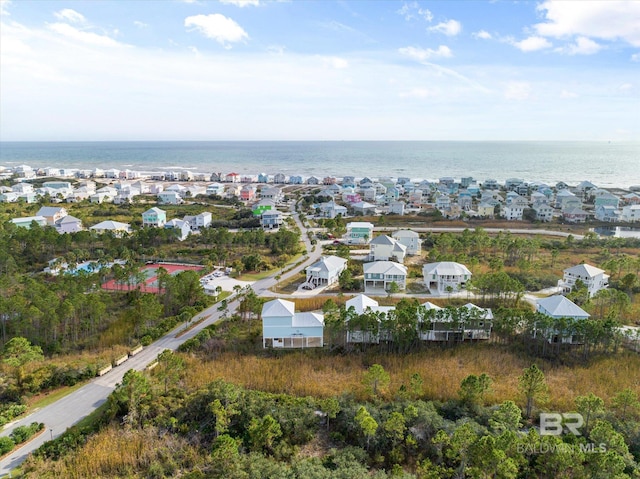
150, 284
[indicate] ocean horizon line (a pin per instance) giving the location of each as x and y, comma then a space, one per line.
319, 141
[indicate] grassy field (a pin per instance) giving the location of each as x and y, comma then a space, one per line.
315, 373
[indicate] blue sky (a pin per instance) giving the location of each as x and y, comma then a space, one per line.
319, 70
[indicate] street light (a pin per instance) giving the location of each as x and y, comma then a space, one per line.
51, 432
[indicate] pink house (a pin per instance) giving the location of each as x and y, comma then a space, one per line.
248, 193
352, 198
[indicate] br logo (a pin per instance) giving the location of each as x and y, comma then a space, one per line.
553, 424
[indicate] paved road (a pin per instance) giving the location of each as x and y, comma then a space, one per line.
70, 409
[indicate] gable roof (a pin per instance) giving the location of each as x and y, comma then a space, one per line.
49, 210
486, 312
429, 305
278, 308
307, 320
384, 267
384, 240
328, 263
560, 307
111, 225
154, 210
68, 219
446, 268
361, 302
584, 270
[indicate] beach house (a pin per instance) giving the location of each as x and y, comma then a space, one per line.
410, 239
154, 217
68, 224
180, 228
271, 219
169, 198
201, 220
114, 227
52, 213
559, 307
630, 213
593, 278
282, 327
27, 221
386, 248
363, 319
358, 232
326, 271
466, 323
381, 274
445, 277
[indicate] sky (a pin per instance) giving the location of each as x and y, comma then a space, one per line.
319, 70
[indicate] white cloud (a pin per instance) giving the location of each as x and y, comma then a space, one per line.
140, 24
635, 57
90, 38
583, 46
335, 62
607, 20
217, 27
241, 3
483, 34
4, 7
450, 28
625, 87
70, 16
568, 94
412, 10
170, 93
422, 54
532, 44
517, 90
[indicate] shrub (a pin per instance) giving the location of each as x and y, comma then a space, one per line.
22, 433
6, 445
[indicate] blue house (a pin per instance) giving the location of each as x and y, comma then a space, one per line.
295, 180
282, 327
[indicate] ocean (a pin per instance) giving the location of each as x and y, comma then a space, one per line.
606, 164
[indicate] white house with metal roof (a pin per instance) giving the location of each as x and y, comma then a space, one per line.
381, 274
385, 248
410, 239
115, 227
367, 331
593, 278
326, 271
445, 276
282, 327
558, 307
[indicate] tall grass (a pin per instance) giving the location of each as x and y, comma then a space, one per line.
116, 453
313, 373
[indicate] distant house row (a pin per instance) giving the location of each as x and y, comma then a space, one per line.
282, 327
366, 322
487, 200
